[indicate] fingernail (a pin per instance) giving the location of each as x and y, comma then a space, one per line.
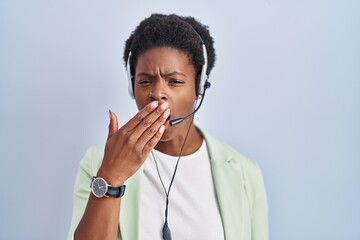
161, 129
167, 112
109, 113
164, 106
154, 104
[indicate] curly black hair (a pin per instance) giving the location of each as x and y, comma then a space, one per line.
183, 33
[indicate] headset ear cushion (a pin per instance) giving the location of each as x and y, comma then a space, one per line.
197, 84
130, 78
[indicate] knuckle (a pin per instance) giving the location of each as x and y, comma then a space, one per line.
162, 118
139, 157
131, 139
139, 117
137, 149
148, 109
147, 121
152, 131
156, 138
151, 143
123, 132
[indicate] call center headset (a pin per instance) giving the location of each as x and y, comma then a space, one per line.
203, 83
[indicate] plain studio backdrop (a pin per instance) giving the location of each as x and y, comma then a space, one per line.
285, 92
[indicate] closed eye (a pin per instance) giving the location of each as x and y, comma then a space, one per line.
176, 82
144, 82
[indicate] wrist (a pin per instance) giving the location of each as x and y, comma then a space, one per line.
110, 179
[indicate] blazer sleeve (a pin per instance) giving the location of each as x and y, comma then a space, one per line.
260, 228
87, 169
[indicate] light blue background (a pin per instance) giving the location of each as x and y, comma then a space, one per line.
285, 92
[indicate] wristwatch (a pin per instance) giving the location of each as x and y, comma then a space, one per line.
100, 188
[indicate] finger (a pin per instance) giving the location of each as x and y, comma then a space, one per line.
151, 123
152, 117
149, 135
153, 141
113, 125
132, 123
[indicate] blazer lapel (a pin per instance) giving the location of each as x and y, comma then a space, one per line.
229, 186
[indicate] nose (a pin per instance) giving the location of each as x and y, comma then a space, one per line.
157, 91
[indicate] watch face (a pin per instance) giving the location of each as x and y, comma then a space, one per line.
99, 187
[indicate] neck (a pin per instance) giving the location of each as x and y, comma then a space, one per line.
173, 146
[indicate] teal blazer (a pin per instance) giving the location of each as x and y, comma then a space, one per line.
238, 184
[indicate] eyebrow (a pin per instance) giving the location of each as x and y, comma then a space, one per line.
163, 75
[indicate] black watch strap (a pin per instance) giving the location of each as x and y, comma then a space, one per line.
116, 192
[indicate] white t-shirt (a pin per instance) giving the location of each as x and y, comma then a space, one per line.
193, 211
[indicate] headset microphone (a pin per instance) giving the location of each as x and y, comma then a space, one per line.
180, 120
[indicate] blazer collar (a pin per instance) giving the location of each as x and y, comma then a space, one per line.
229, 187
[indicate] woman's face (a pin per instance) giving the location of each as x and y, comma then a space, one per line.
165, 74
